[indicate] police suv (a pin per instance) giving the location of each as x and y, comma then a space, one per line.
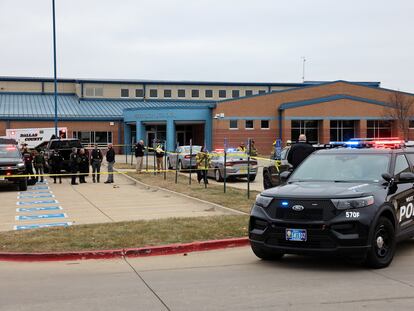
357, 202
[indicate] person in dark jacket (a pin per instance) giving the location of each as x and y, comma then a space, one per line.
55, 162
83, 166
299, 151
39, 163
139, 155
110, 158
159, 154
96, 160
74, 164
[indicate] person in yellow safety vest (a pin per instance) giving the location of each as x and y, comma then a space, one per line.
241, 147
203, 163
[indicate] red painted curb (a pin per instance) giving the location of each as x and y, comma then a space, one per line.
185, 248
129, 252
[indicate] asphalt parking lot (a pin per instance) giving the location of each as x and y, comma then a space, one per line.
232, 279
64, 204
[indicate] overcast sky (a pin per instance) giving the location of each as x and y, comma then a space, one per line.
212, 40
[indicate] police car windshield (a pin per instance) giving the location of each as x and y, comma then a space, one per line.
186, 149
342, 168
9, 152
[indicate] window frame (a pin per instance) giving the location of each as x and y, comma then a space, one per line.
124, 90
151, 93
237, 124
167, 93
265, 128
181, 93
195, 93
139, 90
245, 124
233, 92
207, 93
221, 92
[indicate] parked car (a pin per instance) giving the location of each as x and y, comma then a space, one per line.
11, 164
271, 173
236, 166
181, 157
64, 146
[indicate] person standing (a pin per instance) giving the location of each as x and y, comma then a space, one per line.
299, 151
39, 163
96, 160
203, 163
110, 158
139, 155
83, 166
159, 154
241, 147
55, 161
74, 164
28, 160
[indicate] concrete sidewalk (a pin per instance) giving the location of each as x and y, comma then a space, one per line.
99, 203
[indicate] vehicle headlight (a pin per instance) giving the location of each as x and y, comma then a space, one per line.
343, 204
263, 201
20, 165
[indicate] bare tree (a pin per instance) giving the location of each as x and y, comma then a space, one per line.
400, 109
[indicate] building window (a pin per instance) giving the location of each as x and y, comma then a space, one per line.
181, 93
153, 93
411, 124
100, 138
233, 124
195, 93
379, 128
209, 93
264, 124
342, 130
139, 93
249, 124
235, 93
124, 92
94, 91
309, 128
249, 93
222, 93
262, 92
167, 93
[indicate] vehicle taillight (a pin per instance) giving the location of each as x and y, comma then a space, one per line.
229, 163
187, 156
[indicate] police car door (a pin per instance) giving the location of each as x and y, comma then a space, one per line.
403, 199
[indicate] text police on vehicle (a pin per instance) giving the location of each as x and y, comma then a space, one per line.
352, 201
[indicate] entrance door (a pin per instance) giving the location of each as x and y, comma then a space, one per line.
180, 137
151, 136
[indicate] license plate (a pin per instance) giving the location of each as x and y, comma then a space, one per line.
242, 171
296, 235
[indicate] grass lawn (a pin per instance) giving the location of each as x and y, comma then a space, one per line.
124, 234
233, 198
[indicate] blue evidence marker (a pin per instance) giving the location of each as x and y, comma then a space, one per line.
39, 196
37, 209
58, 224
39, 187
37, 202
44, 216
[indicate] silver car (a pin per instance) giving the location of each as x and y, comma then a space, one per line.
181, 157
236, 166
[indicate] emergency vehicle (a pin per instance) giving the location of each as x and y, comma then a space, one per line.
34, 136
355, 200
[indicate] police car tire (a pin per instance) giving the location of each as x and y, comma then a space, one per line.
265, 254
252, 177
267, 183
385, 230
23, 185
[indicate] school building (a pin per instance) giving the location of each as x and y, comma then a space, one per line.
123, 111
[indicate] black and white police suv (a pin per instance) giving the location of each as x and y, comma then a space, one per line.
356, 202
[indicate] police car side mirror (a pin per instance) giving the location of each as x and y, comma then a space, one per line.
386, 176
284, 176
406, 177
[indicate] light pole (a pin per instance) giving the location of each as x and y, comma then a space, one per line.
54, 68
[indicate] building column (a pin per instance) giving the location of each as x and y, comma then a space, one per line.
140, 131
127, 138
361, 130
324, 131
208, 129
170, 135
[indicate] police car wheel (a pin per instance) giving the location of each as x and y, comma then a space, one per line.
265, 254
383, 245
252, 177
217, 175
267, 182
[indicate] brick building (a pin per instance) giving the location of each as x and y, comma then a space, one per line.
122, 111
